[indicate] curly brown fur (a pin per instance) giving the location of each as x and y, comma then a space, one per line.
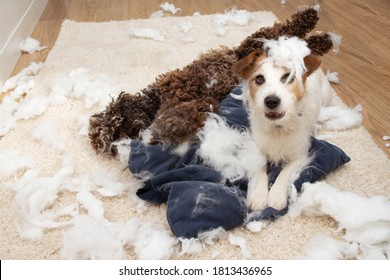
175, 106
300, 25
123, 117
319, 44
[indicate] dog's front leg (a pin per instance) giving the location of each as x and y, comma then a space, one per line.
278, 194
257, 196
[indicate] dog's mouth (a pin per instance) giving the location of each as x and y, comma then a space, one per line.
274, 115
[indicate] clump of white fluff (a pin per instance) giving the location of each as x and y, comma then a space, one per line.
341, 118
323, 247
366, 220
11, 162
31, 45
229, 151
288, 52
169, 8
46, 133
79, 84
147, 33
231, 16
92, 238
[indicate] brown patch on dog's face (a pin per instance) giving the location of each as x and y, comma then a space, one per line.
312, 63
245, 66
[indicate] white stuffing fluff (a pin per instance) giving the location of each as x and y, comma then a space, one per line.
31, 45
231, 16
152, 243
288, 52
147, 33
107, 185
386, 138
332, 77
79, 84
256, 226
317, 7
35, 194
323, 247
46, 133
283, 2
231, 152
11, 108
84, 125
11, 162
190, 246
241, 242
123, 148
341, 118
366, 220
195, 245
92, 238
90, 203
169, 8
31, 107
24, 76
336, 40
185, 26
157, 14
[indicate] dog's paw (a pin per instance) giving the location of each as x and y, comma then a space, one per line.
257, 199
277, 198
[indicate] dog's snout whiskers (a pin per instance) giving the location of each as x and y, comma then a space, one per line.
272, 101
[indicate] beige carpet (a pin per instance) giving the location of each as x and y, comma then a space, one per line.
117, 61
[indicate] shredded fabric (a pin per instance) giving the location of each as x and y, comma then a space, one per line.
341, 118
147, 33
31, 45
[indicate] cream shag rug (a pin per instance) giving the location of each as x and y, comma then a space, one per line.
68, 173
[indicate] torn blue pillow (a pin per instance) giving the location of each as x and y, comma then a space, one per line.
198, 198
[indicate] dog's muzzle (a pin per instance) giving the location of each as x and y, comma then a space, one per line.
274, 115
272, 102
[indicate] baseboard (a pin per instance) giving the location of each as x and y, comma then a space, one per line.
10, 53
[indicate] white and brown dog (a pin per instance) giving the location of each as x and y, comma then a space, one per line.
284, 99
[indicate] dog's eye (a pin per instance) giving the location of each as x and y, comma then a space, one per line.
260, 79
285, 77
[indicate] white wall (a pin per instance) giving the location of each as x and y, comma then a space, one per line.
18, 19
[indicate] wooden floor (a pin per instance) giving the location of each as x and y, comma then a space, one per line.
363, 62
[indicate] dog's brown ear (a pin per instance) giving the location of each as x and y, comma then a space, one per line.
244, 66
312, 63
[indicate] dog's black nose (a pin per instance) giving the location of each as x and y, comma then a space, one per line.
272, 101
